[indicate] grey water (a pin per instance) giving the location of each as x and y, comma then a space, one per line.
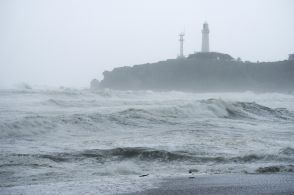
78, 141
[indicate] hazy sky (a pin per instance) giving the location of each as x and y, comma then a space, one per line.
70, 42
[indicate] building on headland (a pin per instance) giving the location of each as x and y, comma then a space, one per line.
205, 41
205, 38
291, 57
203, 71
181, 45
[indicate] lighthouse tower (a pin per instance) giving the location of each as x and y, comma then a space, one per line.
205, 38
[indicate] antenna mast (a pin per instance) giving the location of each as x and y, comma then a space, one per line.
181, 45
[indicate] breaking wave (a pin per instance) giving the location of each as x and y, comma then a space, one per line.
49, 136
26, 126
151, 154
208, 108
287, 151
144, 116
71, 103
246, 110
275, 169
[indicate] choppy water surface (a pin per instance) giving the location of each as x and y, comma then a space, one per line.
77, 141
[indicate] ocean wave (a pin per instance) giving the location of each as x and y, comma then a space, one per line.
139, 118
55, 102
72, 103
259, 110
73, 92
35, 124
152, 154
275, 169
249, 110
143, 116
207, 108
26, 126
139, 153
203, 108
287, 151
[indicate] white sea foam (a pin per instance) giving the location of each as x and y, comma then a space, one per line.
75, 138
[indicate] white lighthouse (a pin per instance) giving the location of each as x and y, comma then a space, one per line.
205, 38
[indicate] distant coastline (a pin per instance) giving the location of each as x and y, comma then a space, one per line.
202, 72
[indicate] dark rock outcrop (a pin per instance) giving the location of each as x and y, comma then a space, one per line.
94, 85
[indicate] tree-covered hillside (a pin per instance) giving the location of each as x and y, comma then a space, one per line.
203, 72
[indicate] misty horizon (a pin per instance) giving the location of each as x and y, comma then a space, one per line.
68, 43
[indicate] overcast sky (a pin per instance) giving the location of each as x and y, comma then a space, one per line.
70, 42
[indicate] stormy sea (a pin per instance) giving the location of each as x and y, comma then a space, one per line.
70, 141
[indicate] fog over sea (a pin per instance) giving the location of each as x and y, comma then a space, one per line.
78, 141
